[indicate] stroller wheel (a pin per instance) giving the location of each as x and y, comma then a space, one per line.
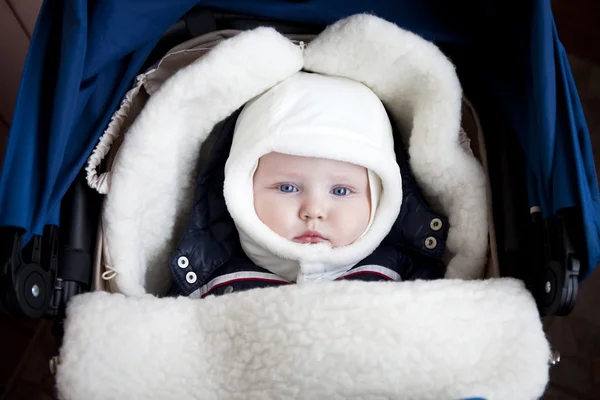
559, 290
25, 286
31, 292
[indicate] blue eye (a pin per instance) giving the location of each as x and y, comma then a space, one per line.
340, 191
287, 188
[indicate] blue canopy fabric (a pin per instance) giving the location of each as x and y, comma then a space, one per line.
84, 56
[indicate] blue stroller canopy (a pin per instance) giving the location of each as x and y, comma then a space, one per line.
84, 56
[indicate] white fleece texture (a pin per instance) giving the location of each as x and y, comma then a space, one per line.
447, 339
420, 88
153, 176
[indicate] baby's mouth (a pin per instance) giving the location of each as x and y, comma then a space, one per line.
310, 237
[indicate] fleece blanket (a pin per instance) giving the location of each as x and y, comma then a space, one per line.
446, 339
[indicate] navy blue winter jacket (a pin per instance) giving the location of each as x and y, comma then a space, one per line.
210, 260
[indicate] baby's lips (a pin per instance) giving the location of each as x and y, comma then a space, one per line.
309, 239
310, 236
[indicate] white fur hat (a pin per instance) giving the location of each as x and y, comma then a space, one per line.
312, 115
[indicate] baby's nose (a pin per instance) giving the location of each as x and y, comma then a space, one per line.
313, 208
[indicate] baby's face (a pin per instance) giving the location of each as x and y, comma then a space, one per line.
312, 200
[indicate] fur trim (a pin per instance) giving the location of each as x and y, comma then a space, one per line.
152, 186
445, 339
419, 86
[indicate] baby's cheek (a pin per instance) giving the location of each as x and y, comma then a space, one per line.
362, 213
271, 212
263, 206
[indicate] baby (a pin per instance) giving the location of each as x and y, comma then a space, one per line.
313, 188
304, 178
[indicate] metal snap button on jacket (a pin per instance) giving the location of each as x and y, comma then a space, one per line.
183, 262
191, 277
228, 289
431, 243
436, 224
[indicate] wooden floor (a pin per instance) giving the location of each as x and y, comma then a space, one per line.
26, 346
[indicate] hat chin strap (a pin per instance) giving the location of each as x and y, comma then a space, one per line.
293, 270
329, 275
298, 270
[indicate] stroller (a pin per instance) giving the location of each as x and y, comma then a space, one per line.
550, 248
